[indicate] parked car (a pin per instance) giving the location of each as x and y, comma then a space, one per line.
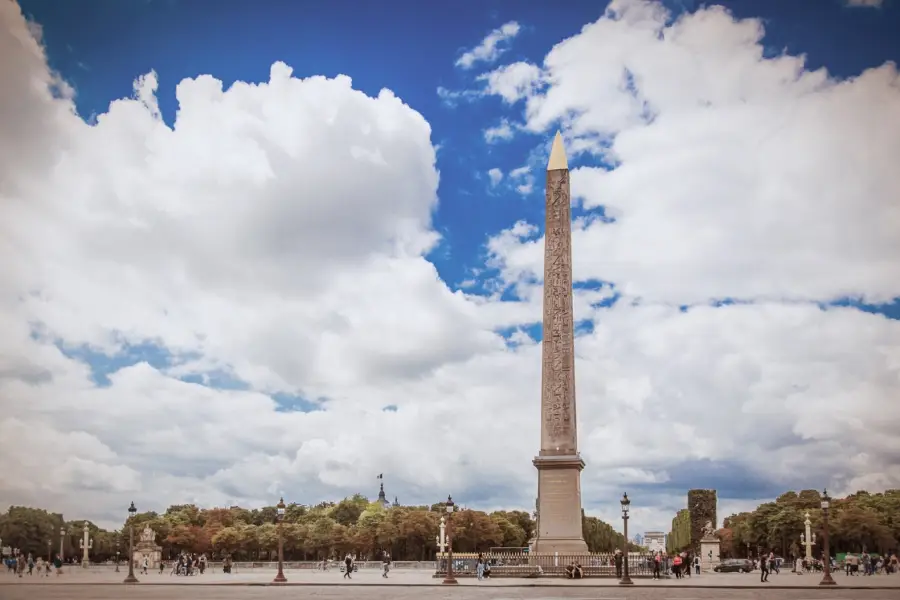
734, 565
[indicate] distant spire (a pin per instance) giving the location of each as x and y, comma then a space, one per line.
557, 155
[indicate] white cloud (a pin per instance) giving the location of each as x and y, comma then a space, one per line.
865, 3
286, 247
496, 176
502, 131
512, 82
491, 47
524, 179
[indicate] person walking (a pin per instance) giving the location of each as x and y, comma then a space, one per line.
348, 566
387, 564
763, 570
617, 559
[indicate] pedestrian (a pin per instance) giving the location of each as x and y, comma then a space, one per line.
348, 566
764, 570
479, 567
386, 564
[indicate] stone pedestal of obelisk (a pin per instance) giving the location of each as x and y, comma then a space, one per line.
559, 465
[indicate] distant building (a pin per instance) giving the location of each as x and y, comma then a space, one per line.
383, 501
655, 541
639, 540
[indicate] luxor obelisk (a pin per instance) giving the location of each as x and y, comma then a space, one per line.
559, 465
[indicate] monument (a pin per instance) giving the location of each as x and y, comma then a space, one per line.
147, 548
558, 463
709, 548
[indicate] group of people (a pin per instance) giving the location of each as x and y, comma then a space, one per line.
680, 564
871, 565
482, 567
19, 564
188, 564
349, 565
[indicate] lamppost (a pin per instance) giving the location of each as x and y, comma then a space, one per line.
49, 551
808, 539
441, 540
131, 578
626, 504
279, 517
826, 558
86, 543
450, 579
62, 542
748, 550
117, 552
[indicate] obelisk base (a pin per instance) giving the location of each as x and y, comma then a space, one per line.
559, 505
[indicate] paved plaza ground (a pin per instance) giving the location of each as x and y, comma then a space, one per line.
466, 592
415, 584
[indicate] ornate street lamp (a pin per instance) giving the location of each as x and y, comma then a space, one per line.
117, 552
49, 551
826, 558
450, 579
626, 504
131, 578
62, 542
86, 544
279, 517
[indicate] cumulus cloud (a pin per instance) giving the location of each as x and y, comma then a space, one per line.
496, 176
491, 47
277, 231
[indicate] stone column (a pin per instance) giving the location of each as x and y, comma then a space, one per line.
558, 462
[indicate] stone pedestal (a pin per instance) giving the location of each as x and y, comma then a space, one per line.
559, 505
709, 553
149, 549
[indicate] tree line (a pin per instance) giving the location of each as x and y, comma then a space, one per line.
328, 529
861, 521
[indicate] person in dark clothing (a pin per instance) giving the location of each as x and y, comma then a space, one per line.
348, 566
618, 561
764, 569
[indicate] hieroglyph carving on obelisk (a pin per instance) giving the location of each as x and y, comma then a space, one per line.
558, 462
558, 378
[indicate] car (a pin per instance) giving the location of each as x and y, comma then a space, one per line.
734, 565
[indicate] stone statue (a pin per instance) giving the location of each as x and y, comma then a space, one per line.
148, 535
708, 530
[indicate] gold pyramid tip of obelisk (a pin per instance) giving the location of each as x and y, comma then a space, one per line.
557, 154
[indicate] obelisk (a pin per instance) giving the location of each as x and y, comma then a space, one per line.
559, 465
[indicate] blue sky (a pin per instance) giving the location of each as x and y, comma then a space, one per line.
735, 266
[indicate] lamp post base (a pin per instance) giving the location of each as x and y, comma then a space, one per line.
280, 578
626, 581
828, 580
450, 581
131, 579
